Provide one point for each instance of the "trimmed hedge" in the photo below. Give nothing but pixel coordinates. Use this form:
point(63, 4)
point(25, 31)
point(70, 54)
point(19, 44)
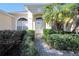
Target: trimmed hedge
point(51, 31)
point(27, 45)
point(65, 42)
point(31, 33)
point(62, 41)
point(8, 40)
point(48, 32)
point(17, 43)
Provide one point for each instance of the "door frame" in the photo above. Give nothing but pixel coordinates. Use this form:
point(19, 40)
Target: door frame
point(41, 31)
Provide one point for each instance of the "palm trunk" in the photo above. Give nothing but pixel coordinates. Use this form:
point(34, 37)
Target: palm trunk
point(57, 25)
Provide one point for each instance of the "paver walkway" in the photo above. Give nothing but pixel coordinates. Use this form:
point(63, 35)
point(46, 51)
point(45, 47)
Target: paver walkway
point(44, 50)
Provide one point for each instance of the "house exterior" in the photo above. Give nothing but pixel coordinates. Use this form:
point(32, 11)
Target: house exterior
point(30, 19)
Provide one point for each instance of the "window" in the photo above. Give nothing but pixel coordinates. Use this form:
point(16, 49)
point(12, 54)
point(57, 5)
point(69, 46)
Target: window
point(22, 24)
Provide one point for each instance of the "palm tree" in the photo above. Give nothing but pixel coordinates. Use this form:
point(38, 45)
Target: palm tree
point(57, 14)
point(68, 14)
point(51, 13)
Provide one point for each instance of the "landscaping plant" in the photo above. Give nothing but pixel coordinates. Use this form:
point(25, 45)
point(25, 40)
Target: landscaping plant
point(27, 46)
point(62, 41)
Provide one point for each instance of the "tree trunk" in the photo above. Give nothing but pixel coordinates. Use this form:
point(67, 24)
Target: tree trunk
point(57, 25)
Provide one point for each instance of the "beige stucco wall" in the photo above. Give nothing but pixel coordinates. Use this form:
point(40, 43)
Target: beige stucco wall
point(9, 21)
point(13, 23)
point(19, 14)
point(5, 22)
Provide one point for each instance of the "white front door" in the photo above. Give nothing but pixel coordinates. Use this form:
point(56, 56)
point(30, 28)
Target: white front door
point(39, 26)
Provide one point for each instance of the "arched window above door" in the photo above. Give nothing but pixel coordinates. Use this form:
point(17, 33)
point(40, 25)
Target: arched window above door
point(22, 19)
point(22, 24)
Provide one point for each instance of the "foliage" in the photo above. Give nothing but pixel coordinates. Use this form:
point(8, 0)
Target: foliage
point(65, 42)
point(27, 45)
point(9, 40)
point(47, 33)
point(15, 43)
point(31, 33)
point(58, 13)
point(62, 40)
point(51, 31)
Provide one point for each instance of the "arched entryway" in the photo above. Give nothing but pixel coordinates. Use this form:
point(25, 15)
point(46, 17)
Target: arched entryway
point(39, 26)
point(22, 24)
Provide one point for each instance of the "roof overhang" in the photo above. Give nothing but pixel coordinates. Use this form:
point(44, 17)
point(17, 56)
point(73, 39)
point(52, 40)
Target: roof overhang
point(36, 7)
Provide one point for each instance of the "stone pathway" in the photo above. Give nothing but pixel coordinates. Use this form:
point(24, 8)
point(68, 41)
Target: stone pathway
point(44, 50)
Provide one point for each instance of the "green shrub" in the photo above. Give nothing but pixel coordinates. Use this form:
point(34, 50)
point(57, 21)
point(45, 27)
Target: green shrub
point(31, 33)
point(27, 45)
point(47, 33)
point(8, 40)
point(64, 41)
point(15, 43)
point(51, 31)
point(61, 39)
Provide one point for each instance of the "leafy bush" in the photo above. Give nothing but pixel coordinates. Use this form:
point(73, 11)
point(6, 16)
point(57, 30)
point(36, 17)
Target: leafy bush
point(15, 43)
point(31, 33)
point(51, 31)
point(64, 41)
point(9, 39)
point(47, 32)
point(27, 45)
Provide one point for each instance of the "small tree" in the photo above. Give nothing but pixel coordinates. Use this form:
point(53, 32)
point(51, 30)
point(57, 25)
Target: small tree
point(57, 13)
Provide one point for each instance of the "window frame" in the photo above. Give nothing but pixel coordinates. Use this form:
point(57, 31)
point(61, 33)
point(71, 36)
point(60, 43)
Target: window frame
point(22, 20)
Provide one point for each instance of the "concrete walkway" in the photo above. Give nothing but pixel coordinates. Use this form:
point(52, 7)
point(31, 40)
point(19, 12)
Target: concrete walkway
point(44, 50)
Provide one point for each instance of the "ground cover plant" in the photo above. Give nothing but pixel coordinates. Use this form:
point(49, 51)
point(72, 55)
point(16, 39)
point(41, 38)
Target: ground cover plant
point(62, 40)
